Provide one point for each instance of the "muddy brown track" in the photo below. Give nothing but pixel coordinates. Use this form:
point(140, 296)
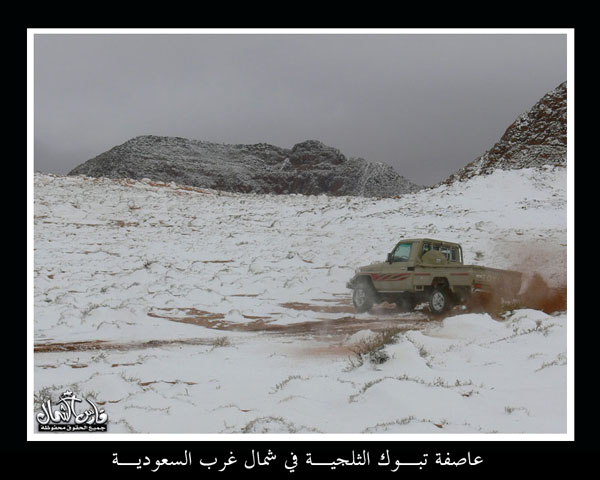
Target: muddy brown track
point(383, 318)
point(105, 345)
point(319, 308)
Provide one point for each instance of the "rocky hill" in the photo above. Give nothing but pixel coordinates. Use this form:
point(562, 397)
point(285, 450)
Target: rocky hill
point(536, 138)
point(308, 168)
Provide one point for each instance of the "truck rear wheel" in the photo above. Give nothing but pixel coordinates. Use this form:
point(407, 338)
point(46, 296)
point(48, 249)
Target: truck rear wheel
point(363, 297)
point(440, 300)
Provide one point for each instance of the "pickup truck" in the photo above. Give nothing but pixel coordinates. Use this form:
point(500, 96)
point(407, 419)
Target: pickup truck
point(426, 270)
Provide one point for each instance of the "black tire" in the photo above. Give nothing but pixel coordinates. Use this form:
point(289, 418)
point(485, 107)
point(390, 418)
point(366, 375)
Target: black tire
point(363, 297)
point(440, 300)
point(405, 303)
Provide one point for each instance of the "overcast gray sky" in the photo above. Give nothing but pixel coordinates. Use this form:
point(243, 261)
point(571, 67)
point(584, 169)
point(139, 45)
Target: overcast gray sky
point(425, 104)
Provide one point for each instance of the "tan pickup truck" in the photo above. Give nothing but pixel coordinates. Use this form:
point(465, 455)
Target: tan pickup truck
point(427, 270)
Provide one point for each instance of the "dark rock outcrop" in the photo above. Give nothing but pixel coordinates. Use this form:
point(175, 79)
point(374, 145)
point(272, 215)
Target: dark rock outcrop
point(536, 138)
point(309, 168)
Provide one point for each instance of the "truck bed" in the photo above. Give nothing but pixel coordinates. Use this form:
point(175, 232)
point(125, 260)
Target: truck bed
point(505, 283)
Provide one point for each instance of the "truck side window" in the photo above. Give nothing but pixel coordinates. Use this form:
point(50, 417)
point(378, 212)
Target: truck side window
point(402, 252)
point(454, 255)
point(446, 252)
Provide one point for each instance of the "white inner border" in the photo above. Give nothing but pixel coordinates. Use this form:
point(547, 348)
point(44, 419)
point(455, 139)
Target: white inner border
point(569, 436)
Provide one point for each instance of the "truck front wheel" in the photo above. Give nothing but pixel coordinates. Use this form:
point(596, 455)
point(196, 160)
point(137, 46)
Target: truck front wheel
point(439, 300)
point(363, 297)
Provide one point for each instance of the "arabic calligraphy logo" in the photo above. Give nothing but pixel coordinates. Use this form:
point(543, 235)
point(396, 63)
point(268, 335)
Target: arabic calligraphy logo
point(64, 415)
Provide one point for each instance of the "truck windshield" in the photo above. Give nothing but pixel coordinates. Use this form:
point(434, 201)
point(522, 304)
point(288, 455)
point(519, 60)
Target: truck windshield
point(402, 252)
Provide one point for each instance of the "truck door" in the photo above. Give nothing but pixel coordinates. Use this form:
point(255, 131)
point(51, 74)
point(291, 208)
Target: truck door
point(395, 276)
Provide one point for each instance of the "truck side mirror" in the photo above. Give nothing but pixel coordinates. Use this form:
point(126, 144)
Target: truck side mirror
point(390, 258)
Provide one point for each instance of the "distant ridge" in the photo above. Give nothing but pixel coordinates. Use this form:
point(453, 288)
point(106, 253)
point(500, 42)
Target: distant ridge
point(309, 168)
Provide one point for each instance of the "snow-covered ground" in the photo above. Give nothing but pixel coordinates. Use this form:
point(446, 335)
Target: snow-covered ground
point(194, 311)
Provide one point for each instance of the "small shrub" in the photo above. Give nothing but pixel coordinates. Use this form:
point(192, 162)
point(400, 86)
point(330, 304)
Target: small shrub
point(509, 307)
point(221, 342)
point(379, 356)
point(374, 348)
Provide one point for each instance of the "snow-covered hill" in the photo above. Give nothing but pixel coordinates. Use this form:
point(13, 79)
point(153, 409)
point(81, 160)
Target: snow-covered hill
point(188, 310)
point(309, 167)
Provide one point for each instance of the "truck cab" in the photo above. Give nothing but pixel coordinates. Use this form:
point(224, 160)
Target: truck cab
point(423, 251)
